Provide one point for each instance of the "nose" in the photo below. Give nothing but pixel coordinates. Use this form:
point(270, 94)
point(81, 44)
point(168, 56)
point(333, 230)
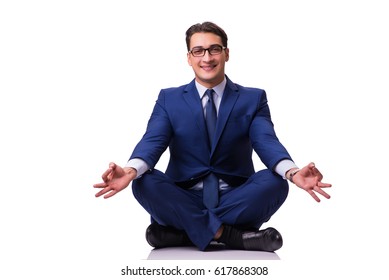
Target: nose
point(207, 56)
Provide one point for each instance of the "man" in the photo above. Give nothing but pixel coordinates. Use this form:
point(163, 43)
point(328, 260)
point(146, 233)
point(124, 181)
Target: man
point(210, 190)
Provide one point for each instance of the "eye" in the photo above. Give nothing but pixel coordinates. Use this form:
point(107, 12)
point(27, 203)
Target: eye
point(215, 49)
point(197, 51)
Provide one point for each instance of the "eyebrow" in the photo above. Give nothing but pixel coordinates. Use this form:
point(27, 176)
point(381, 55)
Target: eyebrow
point(201, 47)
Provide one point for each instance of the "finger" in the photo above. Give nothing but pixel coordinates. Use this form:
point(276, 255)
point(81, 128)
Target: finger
point(315, 197)
point(314, 169)
point(112, 193)
point(103, 191)
point(317, 173)
point(106, 174)
point(100, 185)
point(323, 185)
point(323, 193)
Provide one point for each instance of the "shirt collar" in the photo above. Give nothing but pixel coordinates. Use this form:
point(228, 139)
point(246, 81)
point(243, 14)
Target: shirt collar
point(219, 89)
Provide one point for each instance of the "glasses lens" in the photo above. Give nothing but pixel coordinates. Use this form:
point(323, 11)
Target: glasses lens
point(215, 49)
point(197, 51)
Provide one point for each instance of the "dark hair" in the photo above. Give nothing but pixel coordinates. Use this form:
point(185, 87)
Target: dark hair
point(206, 27)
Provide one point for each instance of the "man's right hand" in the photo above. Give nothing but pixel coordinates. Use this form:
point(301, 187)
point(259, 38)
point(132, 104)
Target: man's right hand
point(115, 179)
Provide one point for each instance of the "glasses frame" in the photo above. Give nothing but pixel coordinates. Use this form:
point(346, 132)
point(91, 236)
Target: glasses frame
point(204, 50)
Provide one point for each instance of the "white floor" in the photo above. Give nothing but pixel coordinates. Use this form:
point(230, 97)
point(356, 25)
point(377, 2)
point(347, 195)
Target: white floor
point(213, 252)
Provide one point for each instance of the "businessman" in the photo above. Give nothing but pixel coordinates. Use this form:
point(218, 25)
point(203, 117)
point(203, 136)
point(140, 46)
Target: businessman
point(210, 190)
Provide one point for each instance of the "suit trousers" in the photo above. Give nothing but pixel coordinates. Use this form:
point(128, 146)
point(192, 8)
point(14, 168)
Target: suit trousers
point(247, 206)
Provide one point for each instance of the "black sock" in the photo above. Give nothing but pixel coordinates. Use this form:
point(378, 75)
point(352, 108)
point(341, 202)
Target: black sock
point(232, 237)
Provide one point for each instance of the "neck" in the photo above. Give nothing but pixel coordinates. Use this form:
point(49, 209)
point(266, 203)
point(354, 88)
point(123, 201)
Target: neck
point(210, 84)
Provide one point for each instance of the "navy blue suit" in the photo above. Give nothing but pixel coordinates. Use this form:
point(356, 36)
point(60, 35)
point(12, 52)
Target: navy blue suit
point(243, 125)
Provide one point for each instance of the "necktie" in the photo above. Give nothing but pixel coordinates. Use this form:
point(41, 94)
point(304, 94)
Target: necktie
point(211, 182)
point(210, 115)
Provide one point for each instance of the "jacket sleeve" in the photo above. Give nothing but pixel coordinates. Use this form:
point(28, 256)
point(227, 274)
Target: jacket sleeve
point(263, 136)
point(157, 136)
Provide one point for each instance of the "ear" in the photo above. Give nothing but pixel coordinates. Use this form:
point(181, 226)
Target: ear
point(189, 59)
point(227, 53)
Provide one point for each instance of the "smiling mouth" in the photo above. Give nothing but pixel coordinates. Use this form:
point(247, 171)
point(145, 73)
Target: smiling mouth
point(208, 67)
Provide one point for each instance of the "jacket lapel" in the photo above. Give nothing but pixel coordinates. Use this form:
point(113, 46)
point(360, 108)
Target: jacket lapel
point(230, 96)
point(191, 97)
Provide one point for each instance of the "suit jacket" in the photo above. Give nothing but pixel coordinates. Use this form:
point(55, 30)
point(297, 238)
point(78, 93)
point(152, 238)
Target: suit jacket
point(244, 124)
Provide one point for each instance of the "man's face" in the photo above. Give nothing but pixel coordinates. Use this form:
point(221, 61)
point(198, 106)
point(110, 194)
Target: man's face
point(209, 69)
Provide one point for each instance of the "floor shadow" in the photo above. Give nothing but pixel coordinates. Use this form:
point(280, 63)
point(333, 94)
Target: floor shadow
point(213, 252)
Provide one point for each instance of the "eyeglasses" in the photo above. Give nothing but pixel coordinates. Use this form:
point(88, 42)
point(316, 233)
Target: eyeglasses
point(212, 50)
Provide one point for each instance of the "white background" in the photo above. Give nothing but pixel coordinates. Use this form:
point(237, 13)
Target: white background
point(78, 80)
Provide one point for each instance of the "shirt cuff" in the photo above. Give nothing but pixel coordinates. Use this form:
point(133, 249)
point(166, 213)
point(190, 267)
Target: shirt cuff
point(283, 166)
point(139, 164)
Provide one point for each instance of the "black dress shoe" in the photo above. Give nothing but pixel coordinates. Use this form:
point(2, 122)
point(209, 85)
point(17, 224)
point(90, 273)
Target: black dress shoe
point(161, 236)
point(268, 240)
